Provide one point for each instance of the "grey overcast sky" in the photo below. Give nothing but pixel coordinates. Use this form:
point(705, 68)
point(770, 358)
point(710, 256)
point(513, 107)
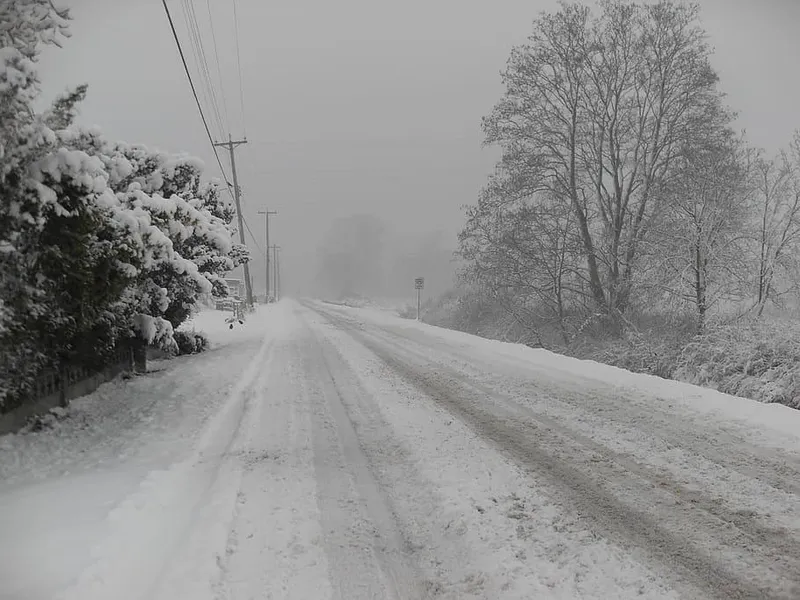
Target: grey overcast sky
point(365, 106)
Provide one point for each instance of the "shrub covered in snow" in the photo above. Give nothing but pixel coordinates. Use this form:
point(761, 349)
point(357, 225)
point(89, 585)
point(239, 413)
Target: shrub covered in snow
point(45, 421)
point(759, 360)
point(99, 241)
point(408, 312)
point(191, 213)
point(190, 342)
point(471, 310)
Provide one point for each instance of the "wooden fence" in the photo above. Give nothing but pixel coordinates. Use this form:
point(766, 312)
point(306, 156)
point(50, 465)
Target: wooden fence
point(57, 387)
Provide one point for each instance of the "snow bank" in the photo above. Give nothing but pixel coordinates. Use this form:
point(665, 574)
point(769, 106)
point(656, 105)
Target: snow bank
point(393, 305)
point(703, 401)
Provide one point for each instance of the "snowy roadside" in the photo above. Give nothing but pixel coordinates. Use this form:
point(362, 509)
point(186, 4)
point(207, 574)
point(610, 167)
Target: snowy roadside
point(126, 416)
point(389, 305)
point(117, 447)
point(772, 425)
point(213, 324)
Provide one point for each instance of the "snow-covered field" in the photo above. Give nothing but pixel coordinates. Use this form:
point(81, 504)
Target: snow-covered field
point(324, 452)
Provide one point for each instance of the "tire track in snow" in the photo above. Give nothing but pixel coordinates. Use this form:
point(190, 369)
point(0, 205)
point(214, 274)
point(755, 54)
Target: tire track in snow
point(199, 567)
point(365, 548)
point(536, 445)
point(531, 448)
point(150, 531)
point(740, 471)
point(621, 416)
point(774, 467)
point(773, 540)
point(479, 525)
point(274, 548)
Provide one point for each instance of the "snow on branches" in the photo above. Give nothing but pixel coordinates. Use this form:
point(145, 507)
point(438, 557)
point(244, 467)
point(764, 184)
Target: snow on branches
point(28, 24)
point(99, 241)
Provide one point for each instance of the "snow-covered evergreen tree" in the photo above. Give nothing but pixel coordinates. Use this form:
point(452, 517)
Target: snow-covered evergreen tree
point(99, 241)
point(24, 140)
point(192, 214)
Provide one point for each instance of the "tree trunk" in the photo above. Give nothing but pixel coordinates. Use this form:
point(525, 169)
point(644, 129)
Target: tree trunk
point(700, 290)
point(139, 348)
point(595, 283)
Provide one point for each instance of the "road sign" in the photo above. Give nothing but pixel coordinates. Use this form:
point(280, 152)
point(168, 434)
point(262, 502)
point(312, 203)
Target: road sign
point(419, 285)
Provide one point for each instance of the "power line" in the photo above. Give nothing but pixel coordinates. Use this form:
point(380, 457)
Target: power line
point(194, 93)
point(202, 114)
point(202, 64)
point(239, 66)
point(206, 68)
point(202, 61)
point(216, 55)
point(206, 92)
point(255, 241)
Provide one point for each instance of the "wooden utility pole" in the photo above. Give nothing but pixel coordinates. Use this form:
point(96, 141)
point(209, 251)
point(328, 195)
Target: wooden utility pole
point(266, 214)
point(278, 287)
point(275, 271)
point(230, 145)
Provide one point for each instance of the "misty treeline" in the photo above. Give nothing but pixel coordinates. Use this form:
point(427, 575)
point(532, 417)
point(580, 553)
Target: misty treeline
point(365, 256)
point(624, 188)
point(101, 242)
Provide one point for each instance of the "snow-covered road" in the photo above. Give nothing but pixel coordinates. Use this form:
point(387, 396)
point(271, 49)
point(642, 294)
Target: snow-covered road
point(326, 452)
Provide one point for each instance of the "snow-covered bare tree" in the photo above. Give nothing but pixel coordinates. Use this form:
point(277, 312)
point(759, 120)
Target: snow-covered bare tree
point(596, 111)
point(776, 219)
point(704, 231)
point(524, 250)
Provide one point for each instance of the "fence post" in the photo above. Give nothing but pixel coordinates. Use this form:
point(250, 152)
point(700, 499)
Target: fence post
point(139, 355)
point(127, 355)
point(62, 385)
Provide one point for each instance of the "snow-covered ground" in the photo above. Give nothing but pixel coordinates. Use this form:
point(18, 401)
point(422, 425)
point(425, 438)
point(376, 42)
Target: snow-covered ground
point(62, 489)
point(330, 452)
point(391, 305)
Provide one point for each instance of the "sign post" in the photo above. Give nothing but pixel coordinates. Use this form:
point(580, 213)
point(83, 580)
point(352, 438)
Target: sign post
point(419, 285)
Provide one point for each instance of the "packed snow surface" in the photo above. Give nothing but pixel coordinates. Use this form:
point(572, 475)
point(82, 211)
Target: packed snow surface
point(320, 451)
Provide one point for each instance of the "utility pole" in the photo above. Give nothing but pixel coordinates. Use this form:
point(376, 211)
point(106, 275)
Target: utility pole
point(419, 285)
point(275, 270)
point(230, 145)
point(266, 214)
point(278, 287)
